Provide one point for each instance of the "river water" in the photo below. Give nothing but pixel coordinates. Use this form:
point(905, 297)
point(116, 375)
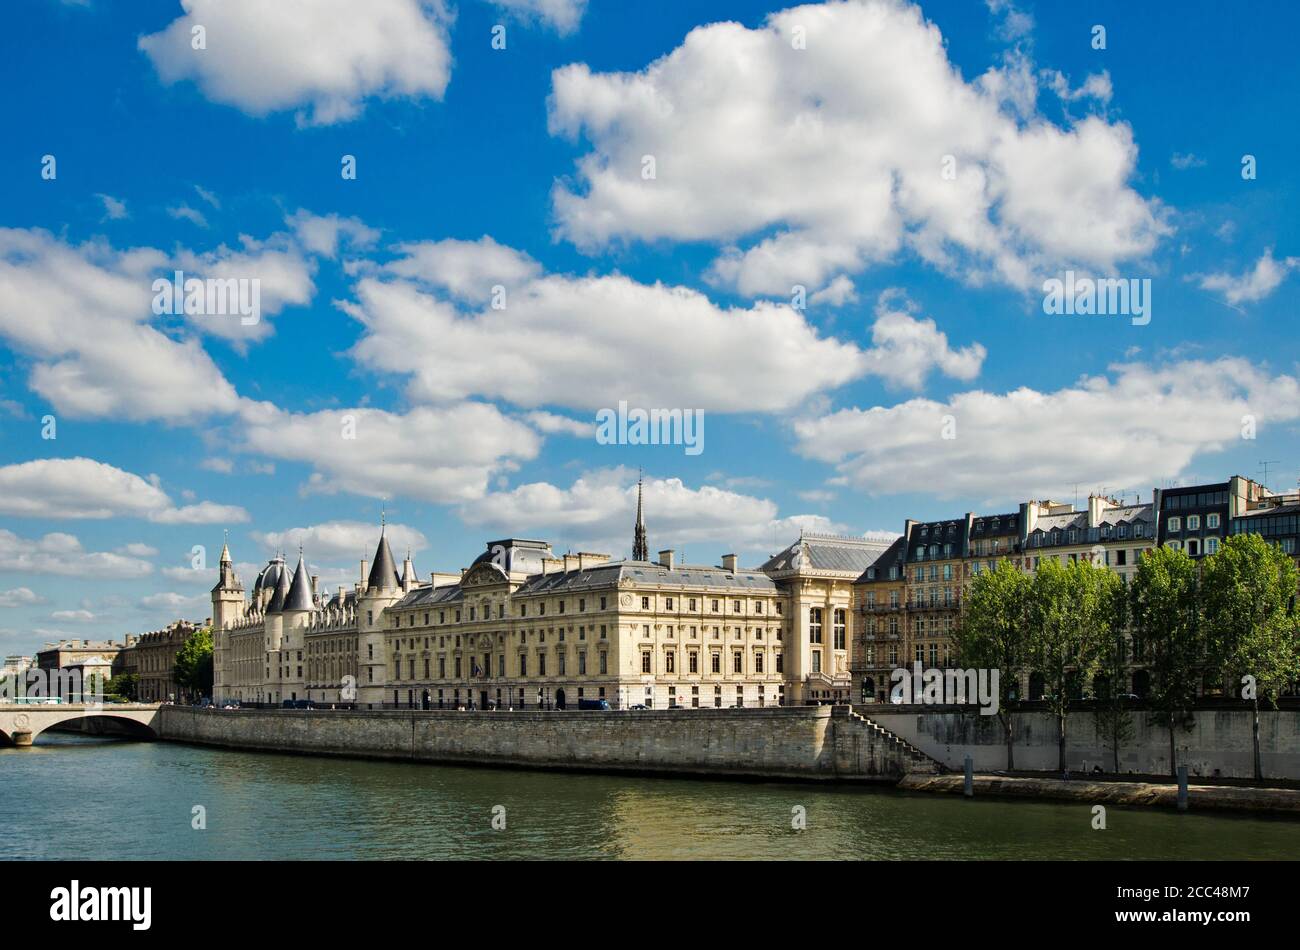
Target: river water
point(83, 798)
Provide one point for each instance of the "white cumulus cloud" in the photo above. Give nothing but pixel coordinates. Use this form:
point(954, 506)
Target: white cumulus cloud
point(1128, 429)
point(322, 58)
point(86, 488)
point(62, 554)
point(433, 454)
point(1255, 284)
point(591, 342)
point(807, 163)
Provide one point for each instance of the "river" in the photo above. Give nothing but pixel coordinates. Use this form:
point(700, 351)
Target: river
point(85, 798)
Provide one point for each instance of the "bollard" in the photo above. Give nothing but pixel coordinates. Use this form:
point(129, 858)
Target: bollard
point(1182, 788)
point(969, 790)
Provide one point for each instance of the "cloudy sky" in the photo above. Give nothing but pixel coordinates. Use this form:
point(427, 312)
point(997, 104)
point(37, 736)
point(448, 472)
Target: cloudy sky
point(825, 227)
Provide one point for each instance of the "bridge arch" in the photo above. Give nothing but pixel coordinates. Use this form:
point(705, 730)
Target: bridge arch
point(23, 725)
point(104, 724)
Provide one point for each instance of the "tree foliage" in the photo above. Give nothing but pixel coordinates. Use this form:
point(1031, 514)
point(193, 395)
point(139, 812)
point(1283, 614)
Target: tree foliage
point(1248, 604)
point(1166, 621)
point(1070, 616)
point(992, 635)
point(193, 668)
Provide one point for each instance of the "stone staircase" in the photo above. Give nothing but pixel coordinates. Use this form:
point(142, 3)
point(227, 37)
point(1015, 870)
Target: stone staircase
point(911, 759)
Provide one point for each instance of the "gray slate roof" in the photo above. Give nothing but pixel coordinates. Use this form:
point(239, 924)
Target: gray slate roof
point(608, 576)
point(827, 553)
point(644, 572)
point(895, 554)
point(281, 592)
point(300, 594)
point(430, 596)
point(383, 573)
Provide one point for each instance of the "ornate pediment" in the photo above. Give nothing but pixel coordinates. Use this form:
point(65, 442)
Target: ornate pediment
point(484, 575)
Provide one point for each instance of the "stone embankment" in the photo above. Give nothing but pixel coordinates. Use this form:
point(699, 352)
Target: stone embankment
point(789, 742)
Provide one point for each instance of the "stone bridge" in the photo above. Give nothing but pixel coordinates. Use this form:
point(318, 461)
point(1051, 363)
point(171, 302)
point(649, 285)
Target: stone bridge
point(20, 724)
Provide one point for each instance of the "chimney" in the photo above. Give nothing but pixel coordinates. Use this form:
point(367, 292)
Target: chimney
point(570, 562)
point(729, 563)
point(362, 585)
point(666, 559)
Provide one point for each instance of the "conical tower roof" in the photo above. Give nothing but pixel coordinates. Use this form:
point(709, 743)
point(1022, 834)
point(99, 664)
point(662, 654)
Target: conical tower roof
point(281, 591)
point(299, 596)
point(383, 571)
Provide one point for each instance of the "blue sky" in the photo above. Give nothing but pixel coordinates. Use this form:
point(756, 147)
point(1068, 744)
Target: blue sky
point(776, 164)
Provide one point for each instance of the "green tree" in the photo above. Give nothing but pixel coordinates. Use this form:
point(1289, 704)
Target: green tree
point(1114, 721)
point(991, 635)
point(124, 685)
point(1165, 609)
point(193, 667)
point(1070, 617)
point(1248, 603)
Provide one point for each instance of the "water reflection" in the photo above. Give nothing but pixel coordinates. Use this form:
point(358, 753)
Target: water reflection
point(75, 797)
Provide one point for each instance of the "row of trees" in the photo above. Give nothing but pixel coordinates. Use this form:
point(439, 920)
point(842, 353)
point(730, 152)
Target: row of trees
point(1228, 621)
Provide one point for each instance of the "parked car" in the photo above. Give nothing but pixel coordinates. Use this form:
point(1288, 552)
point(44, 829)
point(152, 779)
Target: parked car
point(638, 706)
point(593, 704)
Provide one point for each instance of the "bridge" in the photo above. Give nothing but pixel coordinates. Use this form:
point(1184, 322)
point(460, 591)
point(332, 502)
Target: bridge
point(20, 724)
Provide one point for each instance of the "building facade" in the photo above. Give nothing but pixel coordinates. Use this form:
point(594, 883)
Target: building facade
point(153, 660)
point(909, 602)
point(523, 627)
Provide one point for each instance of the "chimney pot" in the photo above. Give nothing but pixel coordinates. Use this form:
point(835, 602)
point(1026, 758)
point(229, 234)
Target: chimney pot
point(666, 558)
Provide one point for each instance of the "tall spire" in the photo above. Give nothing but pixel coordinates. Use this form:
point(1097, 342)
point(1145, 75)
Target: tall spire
point(640, 549)
point(383, 571)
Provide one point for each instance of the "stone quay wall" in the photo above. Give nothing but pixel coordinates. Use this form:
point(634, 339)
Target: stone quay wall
point(801, 742)
point(1219, 741)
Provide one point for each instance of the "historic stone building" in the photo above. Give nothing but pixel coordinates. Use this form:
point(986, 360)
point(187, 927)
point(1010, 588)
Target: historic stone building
point(522, 626)
point(154, 661)
point(880, 605)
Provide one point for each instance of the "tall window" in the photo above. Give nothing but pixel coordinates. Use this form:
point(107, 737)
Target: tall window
point(814, 625)
point(645, 661)
point(839, 630)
